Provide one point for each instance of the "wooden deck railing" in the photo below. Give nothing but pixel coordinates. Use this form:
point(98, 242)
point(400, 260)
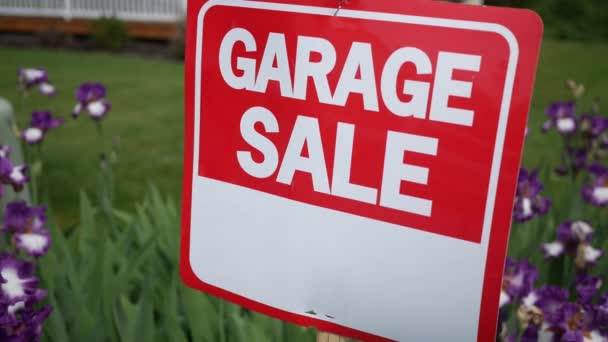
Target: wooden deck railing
point(128, 10)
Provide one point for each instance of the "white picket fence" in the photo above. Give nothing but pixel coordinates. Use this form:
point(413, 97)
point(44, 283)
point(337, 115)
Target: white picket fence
point(132, 10)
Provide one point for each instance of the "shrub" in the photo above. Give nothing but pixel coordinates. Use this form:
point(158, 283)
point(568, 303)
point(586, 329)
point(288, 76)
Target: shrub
point(52, 38)
point(115, 278)
point(109, 33)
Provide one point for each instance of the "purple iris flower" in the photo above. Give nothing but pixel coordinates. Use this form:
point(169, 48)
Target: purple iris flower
point(572, 323)
point(14, 312)
point(504, 299)
point(588, 256)
point(90, 91)
point(586, 288)
point(45, 120)
point(20, 218)
point(530, 334)
point(573, 238)
point(5, 151)
point(28, 78)
point(601, 312)
point(32, 135)
point(561, 116)
point(18, 177)
point(17, 217)
point(28, 225)
point(528, 201)
point(531, 318)
point(597, 192)
point(28, 328)
point(91, 97)
point(577, 323)
point(551, 299)
point(39, 218)
point(47, 89)
point(593, 125)
point(33, 321)
point(519, 278)
point(17, 280)
point(40, 124)
point(34, 239)
point(574, 233)
point(579, 158)
point(6, 167)
point(34, 243)
point(9, 174)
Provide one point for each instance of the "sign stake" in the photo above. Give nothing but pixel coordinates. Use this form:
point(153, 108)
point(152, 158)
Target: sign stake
point(327, 337)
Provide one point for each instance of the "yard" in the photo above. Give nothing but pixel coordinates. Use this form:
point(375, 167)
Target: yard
point(129, 256)
point(147, 97)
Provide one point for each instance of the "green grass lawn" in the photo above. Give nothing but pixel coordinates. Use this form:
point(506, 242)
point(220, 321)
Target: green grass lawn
point(147, 115)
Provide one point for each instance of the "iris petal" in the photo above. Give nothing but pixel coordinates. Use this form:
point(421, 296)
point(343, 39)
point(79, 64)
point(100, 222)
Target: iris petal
point(33, 135)
point(35, 244)
point(553, 249)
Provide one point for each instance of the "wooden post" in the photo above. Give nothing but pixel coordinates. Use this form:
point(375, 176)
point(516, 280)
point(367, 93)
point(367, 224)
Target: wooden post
point(327, 337)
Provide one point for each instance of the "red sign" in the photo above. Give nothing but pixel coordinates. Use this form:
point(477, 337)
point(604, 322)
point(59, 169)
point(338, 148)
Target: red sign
point(389, 131)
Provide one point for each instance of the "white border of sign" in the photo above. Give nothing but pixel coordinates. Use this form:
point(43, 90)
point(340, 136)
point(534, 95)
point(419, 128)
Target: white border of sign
point(202, 267)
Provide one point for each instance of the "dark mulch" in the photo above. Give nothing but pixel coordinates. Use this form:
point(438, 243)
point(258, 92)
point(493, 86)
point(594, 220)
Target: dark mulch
point(54, 40)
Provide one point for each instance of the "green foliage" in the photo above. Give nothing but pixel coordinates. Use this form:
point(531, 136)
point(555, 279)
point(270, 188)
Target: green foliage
point(116, 278)
point(582, 19)
point(525, 239)
point(109, 33)
point(567, 19)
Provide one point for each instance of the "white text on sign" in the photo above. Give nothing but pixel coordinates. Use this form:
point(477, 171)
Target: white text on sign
point(358, 76)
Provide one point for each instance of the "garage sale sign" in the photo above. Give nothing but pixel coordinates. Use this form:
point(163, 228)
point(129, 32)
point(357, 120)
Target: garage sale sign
point(354, 169)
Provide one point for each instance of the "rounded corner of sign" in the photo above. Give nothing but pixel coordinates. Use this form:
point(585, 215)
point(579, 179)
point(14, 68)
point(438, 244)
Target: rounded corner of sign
point(195, 272)
point(509, 37)
point(187, 273)
point(534, 20)
point(206, 7)
point(533, 17)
